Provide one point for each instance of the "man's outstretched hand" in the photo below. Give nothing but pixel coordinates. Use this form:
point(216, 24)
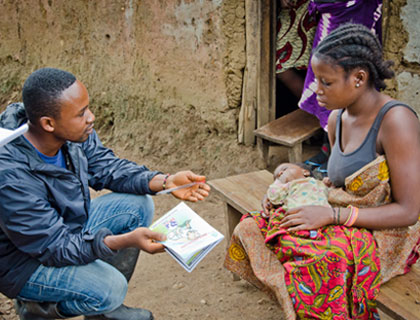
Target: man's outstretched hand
point(194, 193)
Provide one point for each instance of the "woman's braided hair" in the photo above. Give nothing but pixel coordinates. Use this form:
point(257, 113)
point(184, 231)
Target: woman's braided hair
point(354, 45)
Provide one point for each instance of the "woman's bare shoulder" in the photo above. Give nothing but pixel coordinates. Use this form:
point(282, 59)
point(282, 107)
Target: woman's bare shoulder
point(401, 117)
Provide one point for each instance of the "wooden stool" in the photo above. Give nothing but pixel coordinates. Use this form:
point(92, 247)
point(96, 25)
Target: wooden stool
point(290, 131)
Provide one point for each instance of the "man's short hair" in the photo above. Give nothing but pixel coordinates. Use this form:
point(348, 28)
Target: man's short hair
point(42, 90)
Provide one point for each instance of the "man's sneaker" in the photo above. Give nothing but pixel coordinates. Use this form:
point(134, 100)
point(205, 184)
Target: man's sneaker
point(124, 313)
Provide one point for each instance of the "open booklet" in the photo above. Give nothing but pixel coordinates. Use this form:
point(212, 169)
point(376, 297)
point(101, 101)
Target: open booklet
point(7, 135)
point(189, 237)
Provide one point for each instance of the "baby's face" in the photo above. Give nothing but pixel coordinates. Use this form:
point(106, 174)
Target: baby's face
point(288, 171)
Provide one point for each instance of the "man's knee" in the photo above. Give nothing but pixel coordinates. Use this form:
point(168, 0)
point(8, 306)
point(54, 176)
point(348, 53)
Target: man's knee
point(144, 206)
point(138, 209)
point(112, 293)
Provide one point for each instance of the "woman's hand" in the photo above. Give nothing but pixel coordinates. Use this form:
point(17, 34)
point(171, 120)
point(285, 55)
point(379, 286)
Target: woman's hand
point(194, 193)
point(307, 218)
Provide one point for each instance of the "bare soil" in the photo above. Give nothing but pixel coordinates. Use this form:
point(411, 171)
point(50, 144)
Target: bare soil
point(208, 292)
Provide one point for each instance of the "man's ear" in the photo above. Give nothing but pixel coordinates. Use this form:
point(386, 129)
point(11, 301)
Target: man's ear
point(47, 123)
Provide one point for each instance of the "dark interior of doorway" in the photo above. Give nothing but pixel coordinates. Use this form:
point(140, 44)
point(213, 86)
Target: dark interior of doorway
point(286, 101)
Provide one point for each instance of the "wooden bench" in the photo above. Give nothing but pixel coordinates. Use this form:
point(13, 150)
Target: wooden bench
point(242, 193)
point(398, 299)
point(290, 131)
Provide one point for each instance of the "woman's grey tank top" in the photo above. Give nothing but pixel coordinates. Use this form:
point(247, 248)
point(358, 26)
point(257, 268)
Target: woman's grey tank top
point(341, 165)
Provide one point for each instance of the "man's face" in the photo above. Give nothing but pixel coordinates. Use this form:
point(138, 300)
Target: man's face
point(76, 120)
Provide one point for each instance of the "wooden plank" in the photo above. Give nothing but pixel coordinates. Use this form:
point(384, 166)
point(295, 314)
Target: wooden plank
point(266, 109)
point(233, 217)
point(384, 316)
point(247, 114)
point(290, 129)
point(263, 148)
point(273, 55)
point(295, 153)
point(243, 192)
point(400, 297)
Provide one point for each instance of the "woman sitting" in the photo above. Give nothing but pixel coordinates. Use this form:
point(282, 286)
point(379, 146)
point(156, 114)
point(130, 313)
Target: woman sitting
point(329, 262)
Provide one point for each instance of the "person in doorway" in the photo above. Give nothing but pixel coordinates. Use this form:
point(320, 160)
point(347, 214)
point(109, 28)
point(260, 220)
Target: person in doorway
point(61, 253)
point(295, 34)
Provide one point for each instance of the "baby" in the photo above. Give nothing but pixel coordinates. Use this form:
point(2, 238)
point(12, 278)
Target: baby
point(294, 186)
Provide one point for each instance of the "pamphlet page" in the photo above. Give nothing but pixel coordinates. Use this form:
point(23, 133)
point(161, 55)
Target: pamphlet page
point(189, 237)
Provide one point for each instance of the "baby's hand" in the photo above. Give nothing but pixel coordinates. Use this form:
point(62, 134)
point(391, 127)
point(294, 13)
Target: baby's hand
point(266, 207)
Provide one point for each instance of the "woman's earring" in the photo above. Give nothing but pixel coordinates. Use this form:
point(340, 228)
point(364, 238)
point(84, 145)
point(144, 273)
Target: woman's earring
point(357, 85)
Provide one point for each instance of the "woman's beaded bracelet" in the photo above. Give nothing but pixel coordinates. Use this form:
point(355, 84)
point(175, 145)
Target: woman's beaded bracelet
point(352, 217)
point(338, 215)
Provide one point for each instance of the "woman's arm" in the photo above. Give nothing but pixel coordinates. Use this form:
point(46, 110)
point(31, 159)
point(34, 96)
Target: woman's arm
point(399, 139)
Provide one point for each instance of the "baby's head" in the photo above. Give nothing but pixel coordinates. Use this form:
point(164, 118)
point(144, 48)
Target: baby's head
point(291, 171)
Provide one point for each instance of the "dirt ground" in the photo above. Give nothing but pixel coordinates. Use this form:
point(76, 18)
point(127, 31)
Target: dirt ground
point(208, 292)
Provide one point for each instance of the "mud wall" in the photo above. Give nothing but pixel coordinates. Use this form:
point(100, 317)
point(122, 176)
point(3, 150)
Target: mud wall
point(164, 77)
point(402, 45)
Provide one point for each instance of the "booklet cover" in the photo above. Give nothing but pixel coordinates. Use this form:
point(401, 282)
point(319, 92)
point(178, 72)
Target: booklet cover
point(7, 135)
point(189, 237)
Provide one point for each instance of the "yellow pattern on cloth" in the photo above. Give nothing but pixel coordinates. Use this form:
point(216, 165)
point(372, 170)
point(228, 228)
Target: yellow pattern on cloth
point(369, 187)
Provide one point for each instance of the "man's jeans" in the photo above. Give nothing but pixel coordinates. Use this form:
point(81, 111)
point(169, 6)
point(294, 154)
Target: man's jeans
point(97, 287)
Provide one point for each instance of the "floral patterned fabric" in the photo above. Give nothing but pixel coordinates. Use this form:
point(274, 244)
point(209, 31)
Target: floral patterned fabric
point(333, 272)
point(298, 192)
point(295, 33)
point(367, 187)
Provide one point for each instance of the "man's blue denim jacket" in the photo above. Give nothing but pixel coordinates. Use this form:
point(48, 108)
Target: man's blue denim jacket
point(43, 208)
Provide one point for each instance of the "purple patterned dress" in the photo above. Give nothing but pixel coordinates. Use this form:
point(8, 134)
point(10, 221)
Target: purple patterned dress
point(333, 13)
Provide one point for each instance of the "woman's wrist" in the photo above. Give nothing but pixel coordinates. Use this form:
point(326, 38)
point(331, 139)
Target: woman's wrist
point(333, 216)
point(352, 216)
